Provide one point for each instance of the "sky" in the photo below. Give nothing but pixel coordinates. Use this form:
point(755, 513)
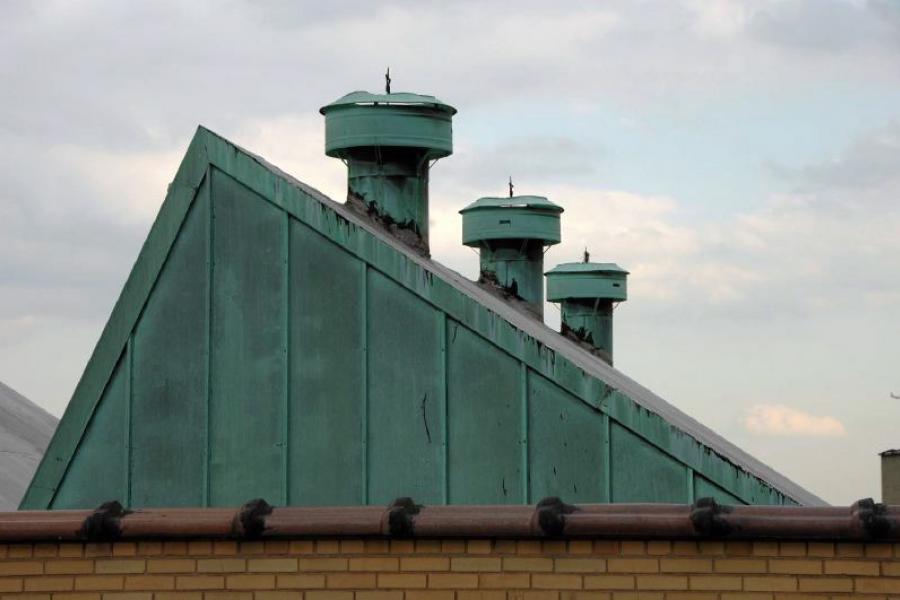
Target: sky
point(740, 158)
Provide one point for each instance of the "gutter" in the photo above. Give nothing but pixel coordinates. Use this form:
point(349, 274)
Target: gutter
point(551, 518)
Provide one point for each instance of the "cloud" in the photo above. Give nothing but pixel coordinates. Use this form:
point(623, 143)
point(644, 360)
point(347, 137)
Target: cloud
point(531, 161)
point(719, 18)
point(825, 245)
point(870, 162)
point(830, 26)
point(175, 64)
point(778, 419)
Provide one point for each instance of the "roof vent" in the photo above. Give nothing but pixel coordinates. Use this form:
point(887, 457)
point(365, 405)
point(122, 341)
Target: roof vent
point(389, 142)
point(511, 234)
point(588, 292)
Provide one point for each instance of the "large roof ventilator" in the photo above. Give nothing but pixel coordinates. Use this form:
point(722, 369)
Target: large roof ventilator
point(389, 143)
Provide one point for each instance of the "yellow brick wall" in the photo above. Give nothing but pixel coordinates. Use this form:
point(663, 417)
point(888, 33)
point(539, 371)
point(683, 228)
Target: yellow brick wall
point(447, 570)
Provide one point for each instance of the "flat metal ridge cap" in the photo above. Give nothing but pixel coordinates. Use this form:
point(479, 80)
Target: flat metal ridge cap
point(592, 365)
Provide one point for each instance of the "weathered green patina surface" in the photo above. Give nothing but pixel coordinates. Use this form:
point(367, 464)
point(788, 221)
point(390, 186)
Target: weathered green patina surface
point(587, 293)
point(511, 234)
point(271, 343)
point(389, 142)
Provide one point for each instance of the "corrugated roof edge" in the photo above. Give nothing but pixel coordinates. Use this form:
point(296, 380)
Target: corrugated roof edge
point(562, 345)
point(864, 521)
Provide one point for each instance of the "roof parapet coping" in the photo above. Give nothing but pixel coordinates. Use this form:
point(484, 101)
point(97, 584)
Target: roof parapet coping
point(551, 518)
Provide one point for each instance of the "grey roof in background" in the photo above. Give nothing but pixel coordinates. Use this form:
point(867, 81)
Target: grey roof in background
point(25, 431)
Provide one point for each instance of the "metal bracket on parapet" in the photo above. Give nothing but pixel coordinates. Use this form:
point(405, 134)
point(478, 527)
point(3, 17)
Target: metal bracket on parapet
point(401, 513)
point(250, 521)
point(873, 516)
point(104, 523)
point(551, 515)
point(706, 517)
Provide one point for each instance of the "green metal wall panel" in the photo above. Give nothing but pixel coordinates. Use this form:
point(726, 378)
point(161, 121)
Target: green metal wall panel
point(703, 488)
point(485, 406)
point(169, 380)
point(565, 444)
point(327, 362)
point(641, 473)
point(118, 329)
point(405, 395)
point(97, 473)
point(248, 346)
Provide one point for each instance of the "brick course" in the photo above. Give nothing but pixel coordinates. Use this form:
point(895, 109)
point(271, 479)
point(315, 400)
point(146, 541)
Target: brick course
point(448, 570)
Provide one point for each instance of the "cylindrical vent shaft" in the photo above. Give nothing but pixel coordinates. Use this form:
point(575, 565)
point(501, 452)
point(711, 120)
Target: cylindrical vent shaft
point(511, 234)
point(591, 321)
point(388, 142)
point(587, 293)
point(517, 266)
point(392, 184)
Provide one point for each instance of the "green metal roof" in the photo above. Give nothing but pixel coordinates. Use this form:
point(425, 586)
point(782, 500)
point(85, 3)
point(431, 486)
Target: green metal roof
point(511, 218)
point(361, 121)
point(491, 202)
point(362, 98)
point(587, 280)
point(270, 342)
point(587, 267)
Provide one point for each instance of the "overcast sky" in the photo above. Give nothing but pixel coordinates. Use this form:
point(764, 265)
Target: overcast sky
point(741, 159)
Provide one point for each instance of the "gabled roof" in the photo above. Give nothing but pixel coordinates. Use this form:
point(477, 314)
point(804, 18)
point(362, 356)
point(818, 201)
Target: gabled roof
point(515, 331)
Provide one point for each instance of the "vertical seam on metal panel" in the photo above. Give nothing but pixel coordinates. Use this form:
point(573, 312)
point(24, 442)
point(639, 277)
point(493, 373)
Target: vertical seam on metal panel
point(690, 485)
point(525, 433)
point(607, 459)
point(129, 346)
point(364, 334)
point(210, 261)
point(445, 417)
point(286, 352)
